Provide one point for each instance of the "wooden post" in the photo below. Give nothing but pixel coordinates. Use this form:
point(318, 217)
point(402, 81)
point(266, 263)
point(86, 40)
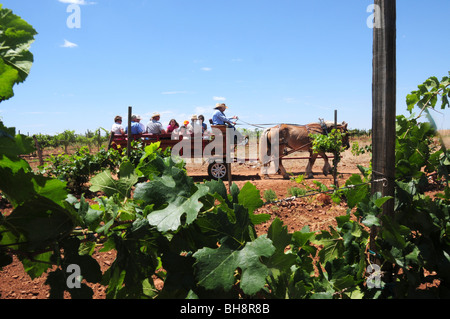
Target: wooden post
point(384, 106)
point(111, 137)
point(130, 110)
point(39, 150)
point(99, 140)
point(230, 181)
point(335, 159)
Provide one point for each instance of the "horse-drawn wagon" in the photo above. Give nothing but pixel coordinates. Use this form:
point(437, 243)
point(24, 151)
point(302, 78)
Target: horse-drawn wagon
point(220, 147)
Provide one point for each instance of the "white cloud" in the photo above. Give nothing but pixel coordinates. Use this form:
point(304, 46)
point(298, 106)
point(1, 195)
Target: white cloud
point(68, 44)
point(219, 98)
point(78, 2)
point(206, 69)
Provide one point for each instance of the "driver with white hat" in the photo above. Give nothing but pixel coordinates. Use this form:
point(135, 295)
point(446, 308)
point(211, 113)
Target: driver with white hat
point(219, 117)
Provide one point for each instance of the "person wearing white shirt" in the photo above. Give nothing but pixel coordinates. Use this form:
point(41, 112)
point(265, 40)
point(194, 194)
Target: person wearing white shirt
point(117, 127)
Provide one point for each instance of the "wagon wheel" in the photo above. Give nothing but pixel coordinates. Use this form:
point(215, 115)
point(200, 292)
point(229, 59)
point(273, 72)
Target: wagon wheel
point(217, 170)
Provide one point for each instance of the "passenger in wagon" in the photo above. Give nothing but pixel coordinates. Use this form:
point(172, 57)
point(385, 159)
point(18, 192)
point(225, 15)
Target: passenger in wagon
point(195, 126)
point(181, 131)
point(190, 125)
point(201, 118)
point(141, 125)
point(117, 127)
point(135, 127)
point(155, 126)
point(173, 124)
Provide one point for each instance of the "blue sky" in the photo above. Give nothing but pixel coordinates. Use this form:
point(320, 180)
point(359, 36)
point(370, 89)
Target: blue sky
point(285, 61)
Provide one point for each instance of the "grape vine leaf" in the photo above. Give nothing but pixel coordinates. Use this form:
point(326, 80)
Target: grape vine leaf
point(12, 144)
point(38, 222)
point(216, 267)
point(166, 186)
point(353, 194)
point(38, 265)
point(333, 245)
point(85, 214)
point(16, 37)
point(218, 190)
point(173, 194)
point(169, 218)
point(250, 197)
point(231, 229)
point(17, 181)
point(105, 182)
point(151, 163)
point(280, 261)
point(19, 184)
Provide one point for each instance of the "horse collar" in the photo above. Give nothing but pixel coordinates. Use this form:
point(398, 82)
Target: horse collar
point(324, 128)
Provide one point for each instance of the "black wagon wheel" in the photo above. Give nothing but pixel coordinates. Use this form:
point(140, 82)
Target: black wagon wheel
point(217, 170)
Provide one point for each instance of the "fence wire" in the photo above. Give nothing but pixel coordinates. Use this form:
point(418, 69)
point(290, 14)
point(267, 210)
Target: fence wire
point(316, 192)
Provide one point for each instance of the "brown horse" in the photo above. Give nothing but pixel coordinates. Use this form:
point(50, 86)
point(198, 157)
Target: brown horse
point(291, 138)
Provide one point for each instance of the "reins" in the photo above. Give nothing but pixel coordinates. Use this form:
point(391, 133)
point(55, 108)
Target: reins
point(268, 124)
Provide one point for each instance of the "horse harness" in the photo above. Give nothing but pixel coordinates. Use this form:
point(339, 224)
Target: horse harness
point(283, 142)
point(324, 127)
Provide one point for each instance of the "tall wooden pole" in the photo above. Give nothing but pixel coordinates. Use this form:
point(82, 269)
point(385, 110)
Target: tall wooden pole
point(384, 104)
point(335, 159)
point(130, 111)
point(39, 150)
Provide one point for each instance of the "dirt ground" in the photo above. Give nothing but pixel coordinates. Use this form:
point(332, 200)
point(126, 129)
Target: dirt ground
point(318, 212)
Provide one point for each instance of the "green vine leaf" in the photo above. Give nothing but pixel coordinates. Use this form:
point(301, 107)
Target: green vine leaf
point(216, 267)
point(250, 197)
point(230, 227)
point(166, 188)
point(169, 218)
point(333, 245)
point(280, 262)
point(106, 183)
point(39, 222)
point(16, 37)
